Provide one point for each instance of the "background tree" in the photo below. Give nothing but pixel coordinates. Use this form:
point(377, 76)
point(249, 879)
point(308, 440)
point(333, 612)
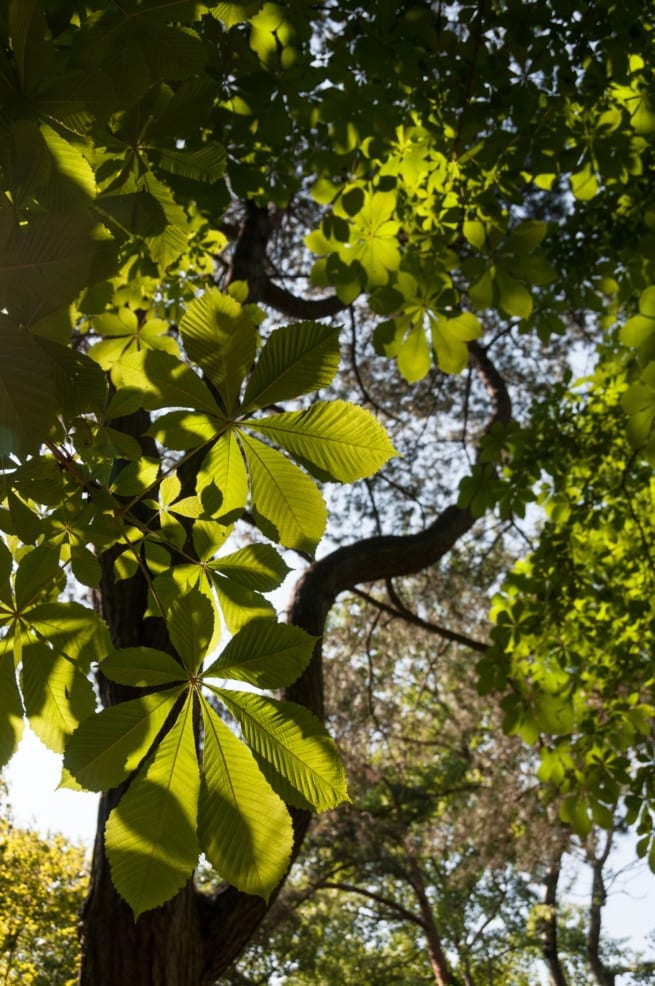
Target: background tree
point(42, 886)
point(450, 866)
point(455, 172)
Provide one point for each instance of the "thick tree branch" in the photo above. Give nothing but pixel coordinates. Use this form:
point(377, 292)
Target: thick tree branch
point(249, 264)
point(304, 308)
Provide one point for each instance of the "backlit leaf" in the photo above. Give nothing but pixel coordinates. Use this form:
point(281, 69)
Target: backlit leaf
point(56, 696)
point(222, 481)
point(256, 566)
point(264, 653)
point(293, 749)
point(244, 827)
point(287, 505)
point(219, 335)
point(294, 361)
point(190, 622)
point(152, 379)
point(11, 708)
point(142, 667)
point(150, 837)
point(341, 440)
point(449, 339)
point(106, 748)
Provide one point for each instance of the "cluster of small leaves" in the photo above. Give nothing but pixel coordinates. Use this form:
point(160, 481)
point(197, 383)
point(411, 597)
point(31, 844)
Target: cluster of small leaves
point(102, 153)
point(431, 220)
point(573, 644)
point(42, 885)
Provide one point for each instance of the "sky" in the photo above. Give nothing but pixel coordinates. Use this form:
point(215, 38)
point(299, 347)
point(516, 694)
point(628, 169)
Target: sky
point(33, 776)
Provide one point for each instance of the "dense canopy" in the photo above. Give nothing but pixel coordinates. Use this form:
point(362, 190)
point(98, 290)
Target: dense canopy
point(200, 203)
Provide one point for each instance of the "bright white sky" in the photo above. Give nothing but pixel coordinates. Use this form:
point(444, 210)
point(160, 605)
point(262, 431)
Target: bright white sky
point(33, 776)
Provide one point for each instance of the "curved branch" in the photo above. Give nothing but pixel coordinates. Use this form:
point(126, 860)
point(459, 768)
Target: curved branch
point(383, 557)
point(249, 264)
point(390, 905)
point(306, 308)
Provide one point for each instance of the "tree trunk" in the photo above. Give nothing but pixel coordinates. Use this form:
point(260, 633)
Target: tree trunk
point(549, 945)
point(603, 974)
point(438, 960)
point(163, 948)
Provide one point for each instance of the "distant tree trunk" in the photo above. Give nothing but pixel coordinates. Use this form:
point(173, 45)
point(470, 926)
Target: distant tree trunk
point(549, 946)
point(603, 975)
point(438, 960)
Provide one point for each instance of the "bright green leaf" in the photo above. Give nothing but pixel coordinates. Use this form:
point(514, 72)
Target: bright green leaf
point(450, 337)
point(256, 566)
point(150, 837)
point(222, 481)
point(413, 354)
point(142, 667)
point(286, 503)
point(239, 605)
point(106, 748)
point(295, 360)
point(190, 622)
point(293, 749)
point(219, 335)
point(339, 440)
point(264, 653)
point(57, 697)
point(11, 708)
point(513, 297)
point(244, 827)
point(152, 379)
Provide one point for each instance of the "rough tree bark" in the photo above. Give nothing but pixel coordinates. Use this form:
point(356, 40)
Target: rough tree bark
point(194, 938)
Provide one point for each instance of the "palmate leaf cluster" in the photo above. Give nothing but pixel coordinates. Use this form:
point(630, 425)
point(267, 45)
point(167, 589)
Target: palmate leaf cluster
point(213, 794)
point(192, 791)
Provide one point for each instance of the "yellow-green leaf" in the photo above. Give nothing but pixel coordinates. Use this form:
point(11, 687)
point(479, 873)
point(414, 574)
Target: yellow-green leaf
point(150, 837)
point(244, 827)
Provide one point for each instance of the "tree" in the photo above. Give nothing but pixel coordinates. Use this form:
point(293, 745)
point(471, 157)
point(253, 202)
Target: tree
point(475, 185)
point(42, 886)
point(449, 866)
